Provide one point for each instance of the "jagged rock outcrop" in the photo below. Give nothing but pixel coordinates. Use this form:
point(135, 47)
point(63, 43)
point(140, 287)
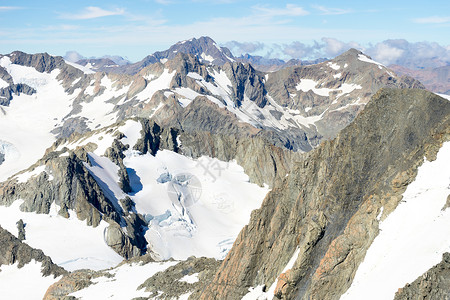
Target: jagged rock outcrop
point(204, 48)
point(169, 284)
point(246, 82)
point(262, 161)
point(70, 283)
point(12, 251)
point(433, 285)
point(328, 205)
point(42, 62)
point(72, 187)
point(6, 94)
point(337, 89)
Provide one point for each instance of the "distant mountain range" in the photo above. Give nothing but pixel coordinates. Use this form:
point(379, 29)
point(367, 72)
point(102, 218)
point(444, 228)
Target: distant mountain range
point(434, 79)
point(433, 73)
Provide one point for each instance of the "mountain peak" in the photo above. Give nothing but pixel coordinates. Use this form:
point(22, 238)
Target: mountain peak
point(205, 48)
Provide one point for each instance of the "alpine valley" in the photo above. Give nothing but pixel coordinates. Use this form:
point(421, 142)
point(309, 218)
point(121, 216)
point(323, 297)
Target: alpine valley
point(194, 174)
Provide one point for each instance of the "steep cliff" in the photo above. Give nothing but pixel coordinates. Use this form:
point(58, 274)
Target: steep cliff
point(323, 216)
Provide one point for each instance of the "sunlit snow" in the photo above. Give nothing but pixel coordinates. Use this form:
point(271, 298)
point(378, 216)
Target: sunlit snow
point(28, 120)
point(71, 243)
point(209, 224)
point(412, 239)
point(124, 283)
point(33, 284)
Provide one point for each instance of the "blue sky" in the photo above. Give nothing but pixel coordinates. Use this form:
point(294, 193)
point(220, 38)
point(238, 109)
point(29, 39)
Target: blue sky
point(135, 29)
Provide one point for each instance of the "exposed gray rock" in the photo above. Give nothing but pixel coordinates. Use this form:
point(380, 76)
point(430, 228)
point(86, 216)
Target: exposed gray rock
point(74, 188)
point(246, 81)
point(168, 281)
point(70, 126)
point(42, 62)
point(433, 285)
point(195, 47)
point(12, 251)
point(20, 230)
point(71, 283)
point(328, 205)
point(6, 94)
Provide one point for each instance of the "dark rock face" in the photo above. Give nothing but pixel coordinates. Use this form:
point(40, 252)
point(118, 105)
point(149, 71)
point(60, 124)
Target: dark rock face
point(42, 62)
point(6, 94)
point(434, 284)
point(21, 230)
point(12, 251)
point(247, 81)
point(74, 188)
point(327, 206)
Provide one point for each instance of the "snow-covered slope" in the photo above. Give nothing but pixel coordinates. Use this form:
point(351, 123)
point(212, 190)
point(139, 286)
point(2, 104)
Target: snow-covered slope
point(412, 239)
point(192, 206)
point(34, 284)
point(67, 100)
point(201, 204)
point(122, 282)
point(26, 124)
point(69, 242)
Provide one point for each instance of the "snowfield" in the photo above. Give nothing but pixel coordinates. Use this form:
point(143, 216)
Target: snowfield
point(26, 123)
point(34, 284)
point(406, 248)
point(204, 217)
point(70, 243)
point(192, 206)
point(124, 283)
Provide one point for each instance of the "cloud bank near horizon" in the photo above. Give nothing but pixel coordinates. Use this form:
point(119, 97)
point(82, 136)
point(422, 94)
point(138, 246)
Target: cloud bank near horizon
point(392, 51)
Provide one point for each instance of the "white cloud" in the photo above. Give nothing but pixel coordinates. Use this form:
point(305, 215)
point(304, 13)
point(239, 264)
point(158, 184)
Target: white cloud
point(291, 10)
point(92, 12)
point(8, 8)
point(164, 2)
point(242, 48)
point(335, 47)
point(432, 20)
point(386, 53)
point(332, 11)
point(73, 56)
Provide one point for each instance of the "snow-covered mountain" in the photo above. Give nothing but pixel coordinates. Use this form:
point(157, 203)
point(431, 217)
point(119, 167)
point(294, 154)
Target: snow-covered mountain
point(275, 64)
point(171, 161)
point(44, 98)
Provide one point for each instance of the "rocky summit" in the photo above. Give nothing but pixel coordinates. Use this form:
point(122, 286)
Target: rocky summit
point(200, 175)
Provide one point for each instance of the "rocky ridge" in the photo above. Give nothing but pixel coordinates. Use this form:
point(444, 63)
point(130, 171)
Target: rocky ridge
point(236, 112)
point(274, 64)
point(294, 108)
point(435, 79)
point(434, 284)
point(327, 207)
point(204, 48)
point(13, 250)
